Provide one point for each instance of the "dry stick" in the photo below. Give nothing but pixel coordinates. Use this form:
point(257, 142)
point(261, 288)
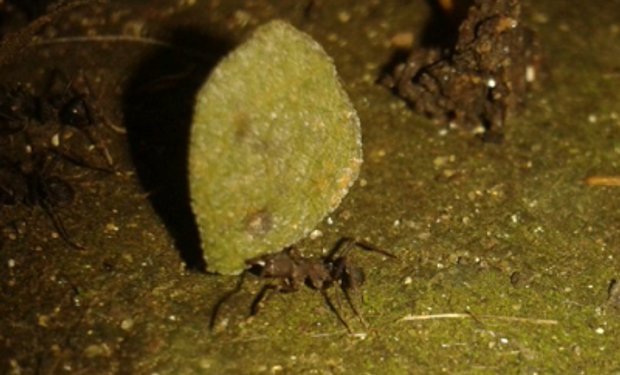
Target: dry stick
point(123, 39)
point(15, 43)
point(409, 318)
point(602, 180)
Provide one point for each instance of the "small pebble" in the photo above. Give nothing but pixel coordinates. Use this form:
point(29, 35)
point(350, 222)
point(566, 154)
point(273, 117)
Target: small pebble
point(127, 324)
point(315, 234)
point(344, 16)
point(403, 41)
point(110, 227)
point(55, 140)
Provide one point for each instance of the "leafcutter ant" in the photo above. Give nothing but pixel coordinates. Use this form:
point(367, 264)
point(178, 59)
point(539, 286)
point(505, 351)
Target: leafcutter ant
point(289, 271)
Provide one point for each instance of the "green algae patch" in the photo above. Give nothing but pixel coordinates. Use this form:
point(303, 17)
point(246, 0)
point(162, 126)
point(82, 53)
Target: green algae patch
point(275, 146)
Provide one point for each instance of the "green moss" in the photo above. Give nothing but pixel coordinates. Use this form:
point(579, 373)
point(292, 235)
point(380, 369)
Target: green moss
point(507, 230)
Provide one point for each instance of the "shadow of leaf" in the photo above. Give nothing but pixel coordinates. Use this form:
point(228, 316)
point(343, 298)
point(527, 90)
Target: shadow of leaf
point(158, 107)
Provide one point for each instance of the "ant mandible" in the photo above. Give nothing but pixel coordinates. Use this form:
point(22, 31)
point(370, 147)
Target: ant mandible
point(291, 271)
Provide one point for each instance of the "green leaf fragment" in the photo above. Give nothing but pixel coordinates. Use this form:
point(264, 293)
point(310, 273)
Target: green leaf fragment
point(275, 146)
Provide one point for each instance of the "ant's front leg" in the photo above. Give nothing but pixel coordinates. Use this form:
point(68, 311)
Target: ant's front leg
point(343, 247)
point(49, 207)
point(346, 244)
point(224, 299)
point(348, 277)
point(372, 248)
point(335, 310)
point(351, 280)
point(260, 296)
point(284, 287)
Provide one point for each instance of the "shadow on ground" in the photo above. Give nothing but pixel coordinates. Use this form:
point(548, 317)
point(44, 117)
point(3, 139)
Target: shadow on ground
point(158, 110)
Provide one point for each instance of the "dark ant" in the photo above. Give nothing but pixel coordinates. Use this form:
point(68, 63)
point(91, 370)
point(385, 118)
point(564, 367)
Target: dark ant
point(71, 108)
point(291, 271)
point(62, 120)
point(34, 187)
point(36, 131)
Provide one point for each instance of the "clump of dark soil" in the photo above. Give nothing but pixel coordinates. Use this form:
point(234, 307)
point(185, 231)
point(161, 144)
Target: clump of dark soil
point(479, 83)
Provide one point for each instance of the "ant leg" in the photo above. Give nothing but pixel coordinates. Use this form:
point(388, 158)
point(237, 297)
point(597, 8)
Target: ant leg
point(69, 82)
point(333, 308)
point(62, 231)
point(60, 227)
point(93, 117)
point(343, 246)
point(49, 164)
point(359, 316)
point(224, 299)
point(71, 157)
point(284, 287)
point(347, 280)
point(43, 192)
point(260, 296)
point(346, 244)
point(369, 247)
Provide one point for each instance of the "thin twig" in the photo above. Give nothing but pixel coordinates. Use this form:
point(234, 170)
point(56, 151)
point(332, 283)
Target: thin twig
point(15, 43)
point(123, 39)
point(357, 335)
point(602, 180)
point(409, 318)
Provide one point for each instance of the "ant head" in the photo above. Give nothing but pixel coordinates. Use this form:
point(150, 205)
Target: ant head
point(274, 266)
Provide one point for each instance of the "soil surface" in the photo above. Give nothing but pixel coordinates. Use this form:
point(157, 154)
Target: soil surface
point(507, 252)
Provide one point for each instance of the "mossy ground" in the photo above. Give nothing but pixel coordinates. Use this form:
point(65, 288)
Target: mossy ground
point(492, 229)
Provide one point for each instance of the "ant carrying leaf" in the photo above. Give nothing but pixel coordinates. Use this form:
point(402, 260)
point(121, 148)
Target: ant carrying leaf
point(290, 271)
